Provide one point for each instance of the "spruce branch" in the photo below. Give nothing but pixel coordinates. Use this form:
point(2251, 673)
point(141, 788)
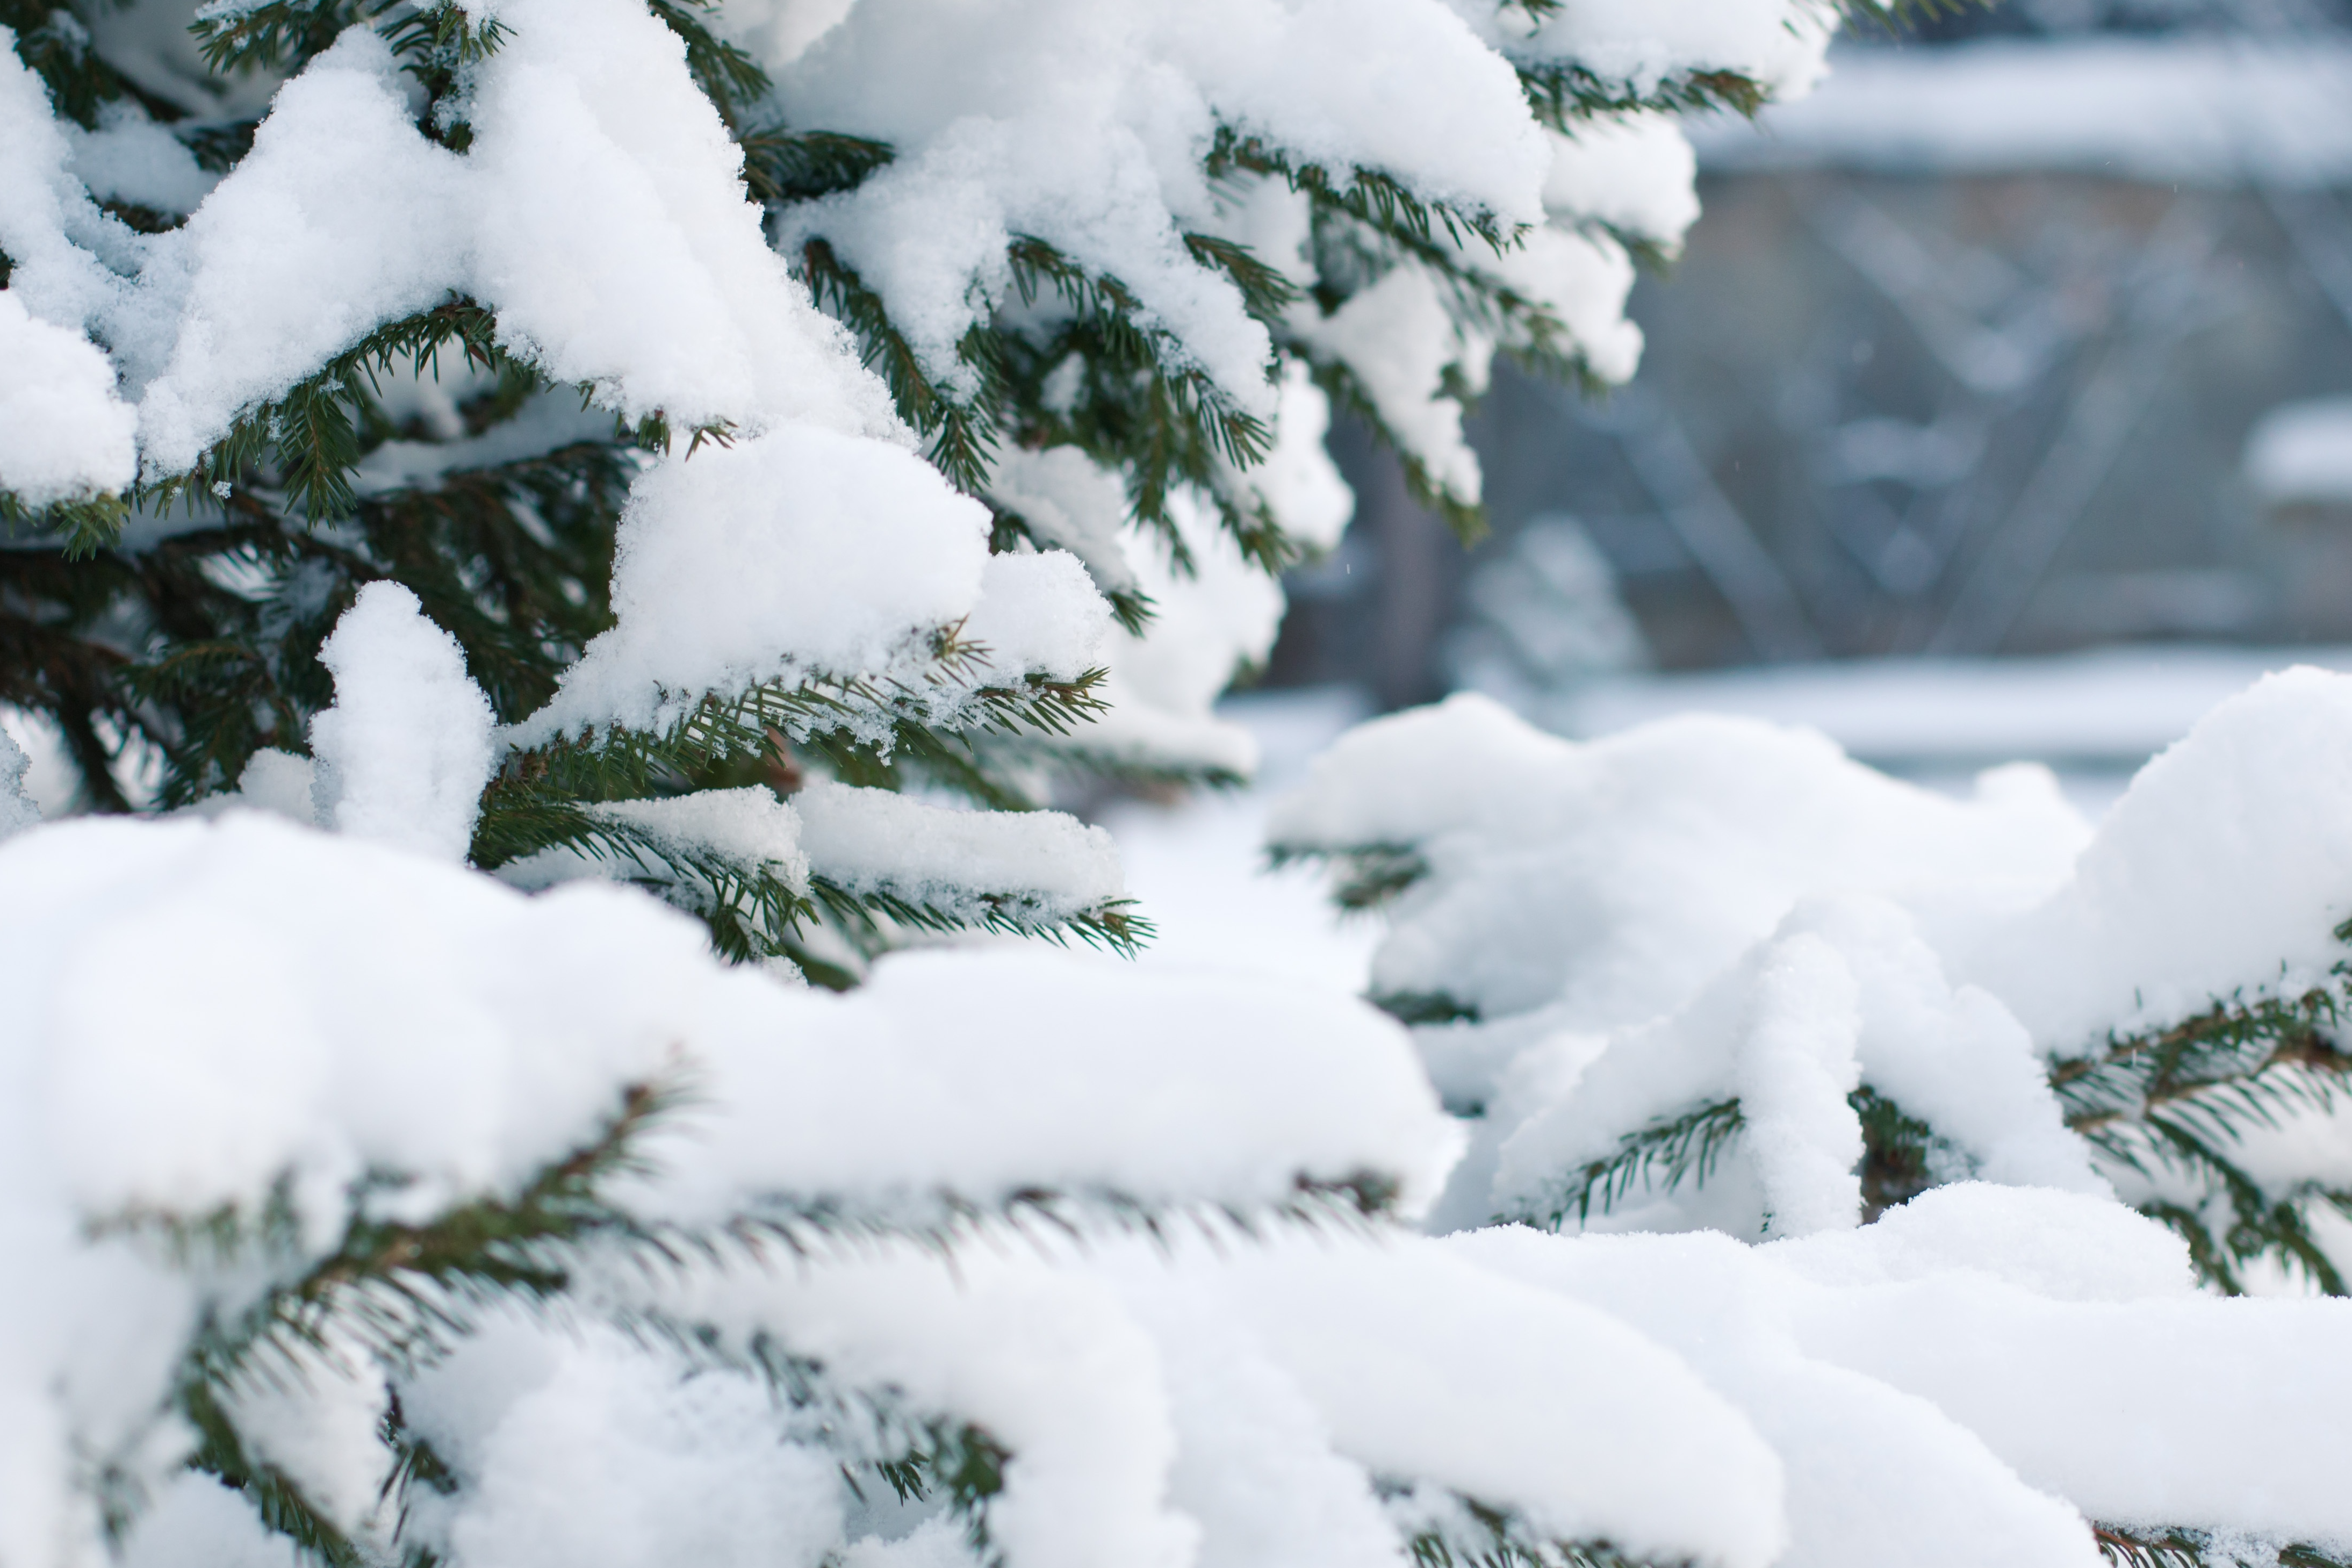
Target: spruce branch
point(1369, 196)
point(1662, 1155)
point(310, 436)
point(872, 915)
point(728, 74)
point(1367, 875)
point(1454, 1530)
point(2180, 1099)
point(781, 167)
point(963, 433)
point(1466, 519)
point(53, 42)
point(2130, 1546)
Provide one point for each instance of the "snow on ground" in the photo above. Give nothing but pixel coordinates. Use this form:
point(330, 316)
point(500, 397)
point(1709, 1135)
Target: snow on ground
point(2199, 110)
point(1198, 867)
point(2094, 717)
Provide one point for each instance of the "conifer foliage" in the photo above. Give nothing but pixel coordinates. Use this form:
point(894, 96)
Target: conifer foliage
point(463, 457)
point(745, 453)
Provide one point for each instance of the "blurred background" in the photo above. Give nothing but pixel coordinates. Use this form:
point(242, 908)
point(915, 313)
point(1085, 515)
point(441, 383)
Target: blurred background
point(2000, 407)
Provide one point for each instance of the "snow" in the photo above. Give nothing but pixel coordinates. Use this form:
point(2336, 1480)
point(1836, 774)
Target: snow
point(1704, 909)
point(1198, 866)
point(1398, 338)
point(2101, 710)
point(339, 185)
point(1077, 1358)
point(63, 432)
point(1101, 1210)
point(1069, 503)
point(403, 753)
point(1641, 46)
point(337, 1007)
point(18, 811)
point(2188, 108)
point(1207, 624)
point(1794, 1070)
point(798, 552)
point(2301, 452)
point(2222, 870)
point(1634, 172)
point(1047, 865)
point(1941, 1409)
point(748, 826)
point(1083, 125)
point(589, 1452)
point(598, 175)
point(317, 1420)
point(1971, 1373)
point(131, 158)
point(1039, 611)
point(1623, 874)
point(615, 241)
point(1298, 484)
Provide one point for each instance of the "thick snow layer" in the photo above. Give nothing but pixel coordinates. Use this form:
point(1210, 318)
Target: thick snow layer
point(599, 212)
point(131, 158)
point(1039, 613)
point(1046, 865)
point(1942, 1386)
point(1152, 1392)
point(1619, 875)
point(797, 552)
point(586, 1451)
point(340, 186)
point(1970, 1375)
point(1634, 172)
point(1083, 124)
point(1708, 909)
point(533, 1013)
point(314, 1009)
point(1207, 625)
point(2190, 106)
point(2302, 451)
point(2224, 870)
point(63, 431)
point(406, 750)
point(615, 238)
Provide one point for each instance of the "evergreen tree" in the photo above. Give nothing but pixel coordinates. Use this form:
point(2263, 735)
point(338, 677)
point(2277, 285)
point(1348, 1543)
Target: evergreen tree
point(552, 443)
